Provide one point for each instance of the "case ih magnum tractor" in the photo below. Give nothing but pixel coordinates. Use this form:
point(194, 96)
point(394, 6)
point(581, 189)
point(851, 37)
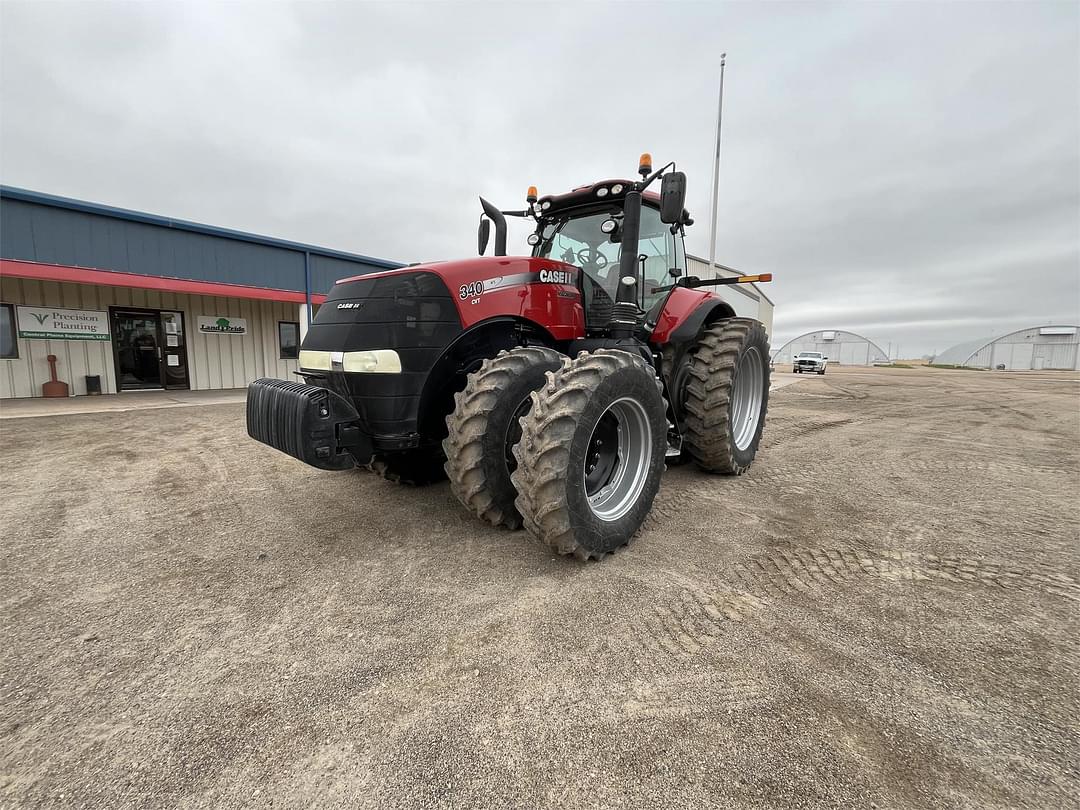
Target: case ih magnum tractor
point(550, 389)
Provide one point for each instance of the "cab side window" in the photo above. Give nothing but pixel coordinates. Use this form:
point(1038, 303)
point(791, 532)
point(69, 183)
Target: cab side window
point(663, 251)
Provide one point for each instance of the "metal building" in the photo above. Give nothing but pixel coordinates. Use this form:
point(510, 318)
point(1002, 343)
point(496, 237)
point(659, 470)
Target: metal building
point(746, 299)
point(143, 302)
point(1039, 347)
point(842, 348)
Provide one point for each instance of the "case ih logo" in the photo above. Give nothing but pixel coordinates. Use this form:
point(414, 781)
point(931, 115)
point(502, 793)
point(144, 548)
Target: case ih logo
point(557, 277)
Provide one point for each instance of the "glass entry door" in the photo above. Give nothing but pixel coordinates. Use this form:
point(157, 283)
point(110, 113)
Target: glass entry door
point(174, 350)
point(150, 349)
point(137, 338)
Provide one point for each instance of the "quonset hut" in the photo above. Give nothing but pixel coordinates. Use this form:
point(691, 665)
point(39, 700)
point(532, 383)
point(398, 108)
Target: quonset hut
point(1039, 347)
point(842, 348)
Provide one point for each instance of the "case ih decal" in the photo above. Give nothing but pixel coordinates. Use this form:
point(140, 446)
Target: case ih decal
point(477, 288)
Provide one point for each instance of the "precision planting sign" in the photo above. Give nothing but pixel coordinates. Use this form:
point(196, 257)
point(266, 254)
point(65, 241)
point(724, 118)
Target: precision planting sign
point(214, 325)
point(49, 323)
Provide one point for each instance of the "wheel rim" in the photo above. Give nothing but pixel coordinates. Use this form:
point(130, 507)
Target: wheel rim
point(746, 398)
point(617, 459)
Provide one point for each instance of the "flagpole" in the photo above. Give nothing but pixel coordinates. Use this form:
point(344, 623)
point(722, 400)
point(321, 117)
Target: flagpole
point(716, 171)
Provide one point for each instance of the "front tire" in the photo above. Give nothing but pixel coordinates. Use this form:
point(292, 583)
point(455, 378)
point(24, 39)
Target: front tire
point(727, 395)
point(591, 453)
point(484, 427)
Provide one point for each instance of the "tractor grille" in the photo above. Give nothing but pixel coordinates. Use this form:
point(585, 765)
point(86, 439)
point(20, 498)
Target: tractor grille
point(411, 313)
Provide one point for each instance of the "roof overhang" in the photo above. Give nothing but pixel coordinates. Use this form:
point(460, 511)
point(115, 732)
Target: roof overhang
point(112, 278)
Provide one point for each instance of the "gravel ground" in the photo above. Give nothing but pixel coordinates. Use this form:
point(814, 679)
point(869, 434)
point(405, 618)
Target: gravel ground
point(882, 612)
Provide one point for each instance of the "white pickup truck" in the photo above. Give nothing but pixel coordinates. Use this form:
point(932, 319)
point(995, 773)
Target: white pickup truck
point(809, 361)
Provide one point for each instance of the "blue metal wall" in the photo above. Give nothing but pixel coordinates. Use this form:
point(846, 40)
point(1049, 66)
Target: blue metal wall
point(54, 230)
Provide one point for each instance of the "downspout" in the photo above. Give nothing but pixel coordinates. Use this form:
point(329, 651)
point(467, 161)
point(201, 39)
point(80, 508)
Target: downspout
point(307, 285)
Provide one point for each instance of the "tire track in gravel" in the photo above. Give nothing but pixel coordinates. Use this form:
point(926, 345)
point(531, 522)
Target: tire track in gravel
point(673, 502)
point(690, 616)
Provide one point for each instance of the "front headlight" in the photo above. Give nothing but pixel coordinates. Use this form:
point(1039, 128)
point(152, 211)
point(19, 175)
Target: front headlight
point(316, 361)
point(377, 361)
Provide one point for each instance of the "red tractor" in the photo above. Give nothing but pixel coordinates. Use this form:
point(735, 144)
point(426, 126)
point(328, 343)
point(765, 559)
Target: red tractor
point(550, 389)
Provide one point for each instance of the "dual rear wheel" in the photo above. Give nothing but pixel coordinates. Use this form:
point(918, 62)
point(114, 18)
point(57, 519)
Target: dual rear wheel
point(574, 450)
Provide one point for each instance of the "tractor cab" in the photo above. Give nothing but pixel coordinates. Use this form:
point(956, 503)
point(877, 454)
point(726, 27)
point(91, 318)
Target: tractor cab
point(627, 241)
point(585, 229)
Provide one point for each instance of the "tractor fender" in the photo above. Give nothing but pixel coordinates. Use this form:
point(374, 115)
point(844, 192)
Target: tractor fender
point(686, 313)
point(462, 356)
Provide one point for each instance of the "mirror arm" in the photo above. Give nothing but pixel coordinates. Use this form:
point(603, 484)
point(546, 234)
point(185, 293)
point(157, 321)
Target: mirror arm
point(644, 184)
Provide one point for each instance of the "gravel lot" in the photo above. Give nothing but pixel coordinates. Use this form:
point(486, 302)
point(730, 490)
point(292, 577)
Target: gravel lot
point(882, 612)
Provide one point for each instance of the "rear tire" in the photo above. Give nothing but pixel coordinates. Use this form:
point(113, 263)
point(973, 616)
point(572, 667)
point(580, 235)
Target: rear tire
point(416, 467)
point(727, 395)
point(577, 494)
point(484, 427)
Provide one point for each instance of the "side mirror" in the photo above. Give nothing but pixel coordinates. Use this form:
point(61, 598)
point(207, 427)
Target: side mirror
point(672, 197)
point(482, 235)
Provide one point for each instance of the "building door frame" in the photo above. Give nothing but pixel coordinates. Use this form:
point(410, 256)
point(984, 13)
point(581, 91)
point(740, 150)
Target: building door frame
point(171, 348)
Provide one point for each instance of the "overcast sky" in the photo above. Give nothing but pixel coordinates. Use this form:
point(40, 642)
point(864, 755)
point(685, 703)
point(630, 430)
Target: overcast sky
point(910, 171)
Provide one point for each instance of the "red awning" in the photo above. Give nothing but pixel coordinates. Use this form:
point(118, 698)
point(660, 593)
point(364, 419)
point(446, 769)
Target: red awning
point(111, 278)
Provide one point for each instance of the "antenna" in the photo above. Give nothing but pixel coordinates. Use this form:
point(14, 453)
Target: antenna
point(716, 170)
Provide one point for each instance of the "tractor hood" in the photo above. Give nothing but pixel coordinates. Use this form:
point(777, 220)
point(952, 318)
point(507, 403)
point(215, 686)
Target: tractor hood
point(457, 272)
point(425, 306)
point(413, 315)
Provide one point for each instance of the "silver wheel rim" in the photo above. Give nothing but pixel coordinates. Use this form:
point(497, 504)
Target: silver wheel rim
point(746, 398)
point(620, 489)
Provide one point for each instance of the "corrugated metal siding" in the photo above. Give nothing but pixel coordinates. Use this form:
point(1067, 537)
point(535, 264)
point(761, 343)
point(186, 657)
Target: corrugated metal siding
point(742, 297)
point(52, 235)
point(214, 361)
point(326, 270)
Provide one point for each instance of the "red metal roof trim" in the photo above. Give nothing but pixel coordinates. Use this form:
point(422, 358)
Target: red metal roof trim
point(112, 278)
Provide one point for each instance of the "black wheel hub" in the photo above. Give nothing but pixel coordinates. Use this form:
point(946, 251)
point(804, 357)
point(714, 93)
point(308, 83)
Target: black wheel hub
point(602, 457)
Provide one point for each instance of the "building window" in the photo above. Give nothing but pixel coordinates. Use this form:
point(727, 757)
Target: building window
point(9, 347)
point(288, 339)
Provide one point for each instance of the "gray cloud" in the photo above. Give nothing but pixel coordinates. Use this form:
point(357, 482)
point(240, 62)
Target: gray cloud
point(911, 171)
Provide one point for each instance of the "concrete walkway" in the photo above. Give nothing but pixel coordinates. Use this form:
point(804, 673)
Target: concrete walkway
point(778, 381)
point(147, 400)
point(127, 401)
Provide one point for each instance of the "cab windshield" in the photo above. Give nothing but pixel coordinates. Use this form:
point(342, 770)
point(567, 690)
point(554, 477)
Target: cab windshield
point(578, 240)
